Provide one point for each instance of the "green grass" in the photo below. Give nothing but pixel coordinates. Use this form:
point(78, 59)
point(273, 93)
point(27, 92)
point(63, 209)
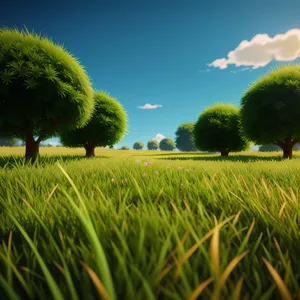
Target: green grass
point(188, 225)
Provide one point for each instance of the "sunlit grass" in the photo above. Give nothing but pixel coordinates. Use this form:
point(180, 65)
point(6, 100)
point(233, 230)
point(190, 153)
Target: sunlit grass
point(116, 228)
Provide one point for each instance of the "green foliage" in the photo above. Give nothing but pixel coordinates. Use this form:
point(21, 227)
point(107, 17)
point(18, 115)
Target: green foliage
point(125, 148)
point(138, 146)
point(107, 125)
point(218, 129)
point(271, 108)
point(269, 148)
point(275, 148)
point(184, 137)
point(152, 145)
point(167, 144)
point(8, 141)
point(296, 147)
point(43, 88)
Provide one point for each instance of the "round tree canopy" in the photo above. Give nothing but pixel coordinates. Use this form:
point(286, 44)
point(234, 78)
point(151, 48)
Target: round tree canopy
point(138, 146)
point(184, 137)
point(270, 110)
point(167, 144)
point(218, 129)
point(271, 107)
point(125, 148)
point(8, 141)
point(107, 126)
point(152, 145)
point(42, 87)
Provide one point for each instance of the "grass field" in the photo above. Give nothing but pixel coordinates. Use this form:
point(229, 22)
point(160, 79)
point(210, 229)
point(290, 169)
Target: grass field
point(184, 226)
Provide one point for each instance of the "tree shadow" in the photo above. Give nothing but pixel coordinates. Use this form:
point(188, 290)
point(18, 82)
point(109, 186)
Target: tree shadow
point(10, 162)
point(174, 153)
point(232, 158)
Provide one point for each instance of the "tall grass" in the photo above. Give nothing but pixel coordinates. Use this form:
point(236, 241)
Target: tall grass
point(112, 228)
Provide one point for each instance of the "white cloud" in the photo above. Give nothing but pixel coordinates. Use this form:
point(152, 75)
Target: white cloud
point(261, 50)
point(150, 106)
point(159, 137)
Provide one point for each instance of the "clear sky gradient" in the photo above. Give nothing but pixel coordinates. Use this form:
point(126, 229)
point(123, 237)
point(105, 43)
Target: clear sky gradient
point(157, 52)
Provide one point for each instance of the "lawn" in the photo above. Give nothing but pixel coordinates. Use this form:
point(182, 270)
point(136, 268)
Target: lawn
point(149, 225)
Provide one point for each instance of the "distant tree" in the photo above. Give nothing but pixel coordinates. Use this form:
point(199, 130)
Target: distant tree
point(125, 148)
point(184, 137)
point(269, 148)
point(296, 147)
point(106, 127)
point(270, 109)
point(167, 144)
point(46, 144)
point(43, 89)
point(275, 148)
point(8, 141)
point(152, 145)
point(218, 130)
point(111, 147)
point(138, 146)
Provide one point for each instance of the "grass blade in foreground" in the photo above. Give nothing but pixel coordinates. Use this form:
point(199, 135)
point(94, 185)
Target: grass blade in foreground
point(279, 282)
point(102, 264)
point(57, 295)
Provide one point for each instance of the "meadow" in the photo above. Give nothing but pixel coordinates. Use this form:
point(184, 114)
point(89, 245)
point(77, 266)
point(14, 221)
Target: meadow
point(149, 225)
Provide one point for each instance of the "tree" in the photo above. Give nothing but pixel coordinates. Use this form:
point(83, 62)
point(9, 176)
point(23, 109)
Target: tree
point(8, 142)
point(275, 148)
point(152, 145)
point(271, 109)
point(107, 126)
point(125, 148)
point(167, 144)
point(269, 148)
point(138, 146)
point(184, 137)
point(43, 89)
point(218, 130)
point(296, 147)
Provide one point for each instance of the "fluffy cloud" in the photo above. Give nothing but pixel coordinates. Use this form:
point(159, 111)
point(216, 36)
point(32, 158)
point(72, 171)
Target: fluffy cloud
point(262, 49)
point(159, 137)
point(150, 106)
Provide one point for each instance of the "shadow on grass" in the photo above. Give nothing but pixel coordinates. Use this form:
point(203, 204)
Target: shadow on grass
point(10, 162)
point(233, 158)
point(174, 153)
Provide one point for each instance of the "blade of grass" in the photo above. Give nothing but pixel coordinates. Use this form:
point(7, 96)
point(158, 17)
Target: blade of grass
point(197, 292)
point(192, 250)
point(9, 290)
point(49, 278)
point(102, 264)
point(97, 282)
point(214, 250)
point(283, 290)
point(226, 274)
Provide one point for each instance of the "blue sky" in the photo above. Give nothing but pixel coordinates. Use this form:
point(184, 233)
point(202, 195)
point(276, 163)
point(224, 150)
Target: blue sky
point(157, 52)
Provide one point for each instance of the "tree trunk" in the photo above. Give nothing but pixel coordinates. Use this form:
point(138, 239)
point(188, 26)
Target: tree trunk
point(224, 153)
point(31, 148)
point(287, 150)
point(90, 150)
